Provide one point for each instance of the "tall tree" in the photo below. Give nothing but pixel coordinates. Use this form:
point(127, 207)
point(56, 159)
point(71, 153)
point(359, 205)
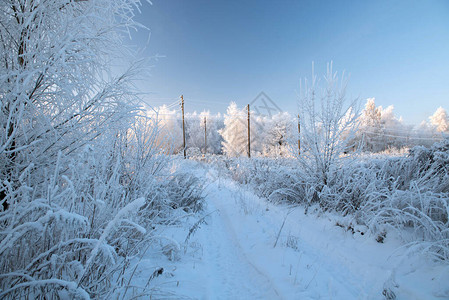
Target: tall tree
point(235, 132)
point(55, 89)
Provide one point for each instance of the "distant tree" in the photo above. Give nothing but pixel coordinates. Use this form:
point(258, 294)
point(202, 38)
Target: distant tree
point(195, 131)
point(235, 132)
point(395, 134)
point(279, 133)
point(439, 120)
point(57, 90)
point(170, 128)
point(213, 125)
point(370, 126)
point(380, 129)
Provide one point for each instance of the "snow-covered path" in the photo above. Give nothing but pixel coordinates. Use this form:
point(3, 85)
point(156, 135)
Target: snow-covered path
point(235, 257)
point(240, 258)
point(232, 275)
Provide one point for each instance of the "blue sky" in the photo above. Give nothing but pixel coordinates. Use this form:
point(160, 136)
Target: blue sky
point(221, 51)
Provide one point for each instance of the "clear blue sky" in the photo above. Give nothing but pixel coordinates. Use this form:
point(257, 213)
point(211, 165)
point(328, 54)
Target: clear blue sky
point(221, 51)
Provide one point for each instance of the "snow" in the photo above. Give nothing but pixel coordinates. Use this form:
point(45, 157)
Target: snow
point(77, 148)
point(233, 256)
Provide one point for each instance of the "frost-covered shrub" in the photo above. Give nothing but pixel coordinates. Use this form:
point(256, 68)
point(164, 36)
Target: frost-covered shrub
point(185, 190)
point(181, 190)
point(398, 192)
point(75, 233)
point(173, 191)
point(277, 180)
point(414, 194)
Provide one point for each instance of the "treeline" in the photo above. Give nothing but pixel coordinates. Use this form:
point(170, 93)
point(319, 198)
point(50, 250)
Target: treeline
point(379, 129)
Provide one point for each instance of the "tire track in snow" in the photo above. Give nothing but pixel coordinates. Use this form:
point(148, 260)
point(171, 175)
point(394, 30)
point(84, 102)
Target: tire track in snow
point(243, 255)
point(233, 274)
point(327, 269)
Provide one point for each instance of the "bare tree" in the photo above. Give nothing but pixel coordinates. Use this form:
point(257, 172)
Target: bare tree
point(328, 123)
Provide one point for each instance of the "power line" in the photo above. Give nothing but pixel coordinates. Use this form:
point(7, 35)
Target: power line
point(161, 103)
point(404, 137)
point(387, 129)
point(210, 102)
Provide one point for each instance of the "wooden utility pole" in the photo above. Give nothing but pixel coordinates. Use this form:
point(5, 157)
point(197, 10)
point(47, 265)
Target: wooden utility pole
point(249, 133)
point(183, 127)
point(299, 136)
point(205, 136)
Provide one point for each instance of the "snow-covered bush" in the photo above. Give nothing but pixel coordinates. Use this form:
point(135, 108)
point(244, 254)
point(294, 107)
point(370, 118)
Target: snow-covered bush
point(398, 192)
point(415, 194)
point(277, 180)
point(56, 88)
point(185, 191)
point(74, 234)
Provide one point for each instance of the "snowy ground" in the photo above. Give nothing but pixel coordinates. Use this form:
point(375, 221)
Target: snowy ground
point(233, 256)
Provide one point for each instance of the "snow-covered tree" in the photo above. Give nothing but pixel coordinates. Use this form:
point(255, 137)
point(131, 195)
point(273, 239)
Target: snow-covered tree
point(279, 134)
point(196, 130)
point(55, 89)
point(380, 129)
point(370, 126)
point(427, 133)
point(214, 125)
point(74, 162)
point(169, 122)
point(235, 132)
point(199, 125)
point(440, 120)
point(327, 129)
